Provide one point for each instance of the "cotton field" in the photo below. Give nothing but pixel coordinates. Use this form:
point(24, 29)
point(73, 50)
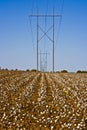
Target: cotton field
point(43, 101)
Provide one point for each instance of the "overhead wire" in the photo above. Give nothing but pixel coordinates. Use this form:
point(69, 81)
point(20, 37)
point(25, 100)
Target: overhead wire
point(61, 11)
point(31, 30)
point(45, 43)
point(37, 5)
point(47, 5)
point(32, 6)
point(60, 21)
point(30, 21)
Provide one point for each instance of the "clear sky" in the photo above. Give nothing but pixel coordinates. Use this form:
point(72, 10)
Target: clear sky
point(18, 34)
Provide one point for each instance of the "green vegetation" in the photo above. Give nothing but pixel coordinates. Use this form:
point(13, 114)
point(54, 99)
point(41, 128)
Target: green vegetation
point(79, 71)
point(64, 71)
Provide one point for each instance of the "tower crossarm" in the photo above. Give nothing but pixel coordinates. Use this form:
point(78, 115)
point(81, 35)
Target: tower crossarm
point(43, 15)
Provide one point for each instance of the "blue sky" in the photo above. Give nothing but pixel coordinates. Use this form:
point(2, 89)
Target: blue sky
point(18, 34)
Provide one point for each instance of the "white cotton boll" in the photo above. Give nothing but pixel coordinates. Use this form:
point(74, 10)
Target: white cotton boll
point(52, 127)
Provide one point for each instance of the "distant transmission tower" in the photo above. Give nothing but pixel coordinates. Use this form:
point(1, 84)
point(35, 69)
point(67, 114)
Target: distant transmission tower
point(45, 33)
point(43, 61)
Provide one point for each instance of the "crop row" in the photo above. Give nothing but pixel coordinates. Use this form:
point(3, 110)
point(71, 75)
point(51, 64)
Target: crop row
point(43, 101)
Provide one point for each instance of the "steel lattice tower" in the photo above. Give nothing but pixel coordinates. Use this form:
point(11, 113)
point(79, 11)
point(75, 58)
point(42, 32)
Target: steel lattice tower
point(45, 33)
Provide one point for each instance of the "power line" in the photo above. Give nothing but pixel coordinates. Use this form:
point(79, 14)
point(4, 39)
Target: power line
point(31, 30)
point(30, 21)
point(47, 3)
point(37, 5)
point(32, 6)
point(47, 6)
point(62, 6)
point(60, 21)
point(45, 31)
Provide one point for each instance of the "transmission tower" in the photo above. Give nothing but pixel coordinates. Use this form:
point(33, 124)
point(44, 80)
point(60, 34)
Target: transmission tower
point(43, 61)
point(45, 33)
